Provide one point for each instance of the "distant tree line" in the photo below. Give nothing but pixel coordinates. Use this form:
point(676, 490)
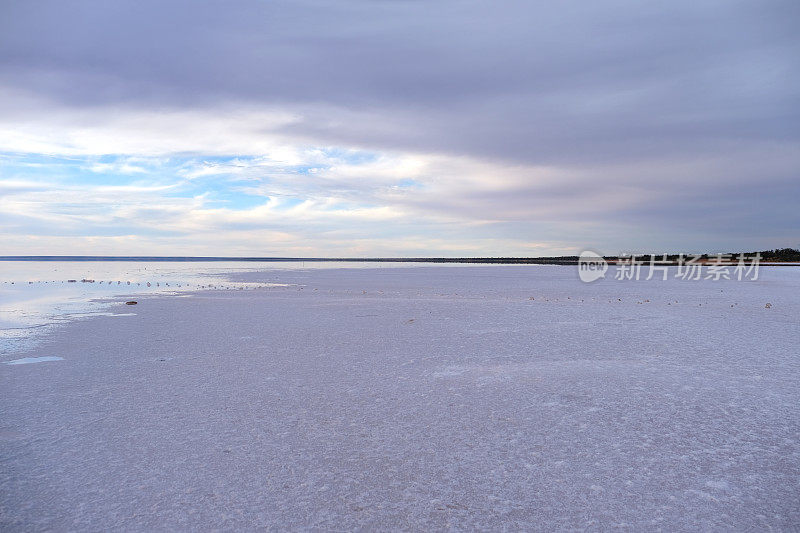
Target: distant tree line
point(780, 255)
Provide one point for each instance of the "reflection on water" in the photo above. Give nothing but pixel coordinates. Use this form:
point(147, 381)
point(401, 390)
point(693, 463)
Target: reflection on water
point(30, 360)
point(37, 295)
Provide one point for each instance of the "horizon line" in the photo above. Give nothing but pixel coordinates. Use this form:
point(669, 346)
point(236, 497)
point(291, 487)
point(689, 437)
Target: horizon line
point(278, 258)
point(286, 259)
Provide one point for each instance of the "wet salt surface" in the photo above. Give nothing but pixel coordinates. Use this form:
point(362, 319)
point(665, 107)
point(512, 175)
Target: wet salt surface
point(36, 296)
point(29, 360)
point(477, 398)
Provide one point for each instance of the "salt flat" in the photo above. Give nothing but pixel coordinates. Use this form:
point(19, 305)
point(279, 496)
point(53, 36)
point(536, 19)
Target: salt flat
point(492, 397)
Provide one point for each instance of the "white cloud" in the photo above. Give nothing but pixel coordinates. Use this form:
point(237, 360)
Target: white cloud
point(332, 198)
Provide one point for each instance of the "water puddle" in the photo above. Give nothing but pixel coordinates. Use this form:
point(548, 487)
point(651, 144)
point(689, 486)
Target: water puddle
point(30, 360)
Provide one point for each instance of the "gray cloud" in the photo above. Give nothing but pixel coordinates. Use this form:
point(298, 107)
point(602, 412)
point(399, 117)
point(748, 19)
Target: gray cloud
point(530, 81)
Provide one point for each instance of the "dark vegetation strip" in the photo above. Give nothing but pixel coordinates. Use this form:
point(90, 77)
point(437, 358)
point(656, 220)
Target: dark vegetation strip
point(781, 255)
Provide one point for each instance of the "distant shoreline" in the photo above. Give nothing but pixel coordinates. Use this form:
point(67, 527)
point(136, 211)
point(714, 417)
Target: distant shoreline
point(200, 259)
point(565, 260)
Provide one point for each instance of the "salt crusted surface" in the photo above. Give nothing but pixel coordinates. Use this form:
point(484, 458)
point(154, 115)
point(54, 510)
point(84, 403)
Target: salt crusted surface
point(510, 397)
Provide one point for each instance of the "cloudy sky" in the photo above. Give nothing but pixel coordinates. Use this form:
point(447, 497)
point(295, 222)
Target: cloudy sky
point(398, 127)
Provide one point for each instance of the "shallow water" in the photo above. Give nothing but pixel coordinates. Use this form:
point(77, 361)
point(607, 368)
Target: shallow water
point(38, 295)
point(30, 360)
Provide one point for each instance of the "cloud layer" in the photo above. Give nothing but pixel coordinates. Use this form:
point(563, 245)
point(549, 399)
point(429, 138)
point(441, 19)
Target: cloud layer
point(397, 127)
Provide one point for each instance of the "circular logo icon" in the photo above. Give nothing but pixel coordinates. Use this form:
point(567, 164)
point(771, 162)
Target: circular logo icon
point(591, 266)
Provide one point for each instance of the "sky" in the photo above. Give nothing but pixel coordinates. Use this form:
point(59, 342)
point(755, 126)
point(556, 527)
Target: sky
point(398, 127)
